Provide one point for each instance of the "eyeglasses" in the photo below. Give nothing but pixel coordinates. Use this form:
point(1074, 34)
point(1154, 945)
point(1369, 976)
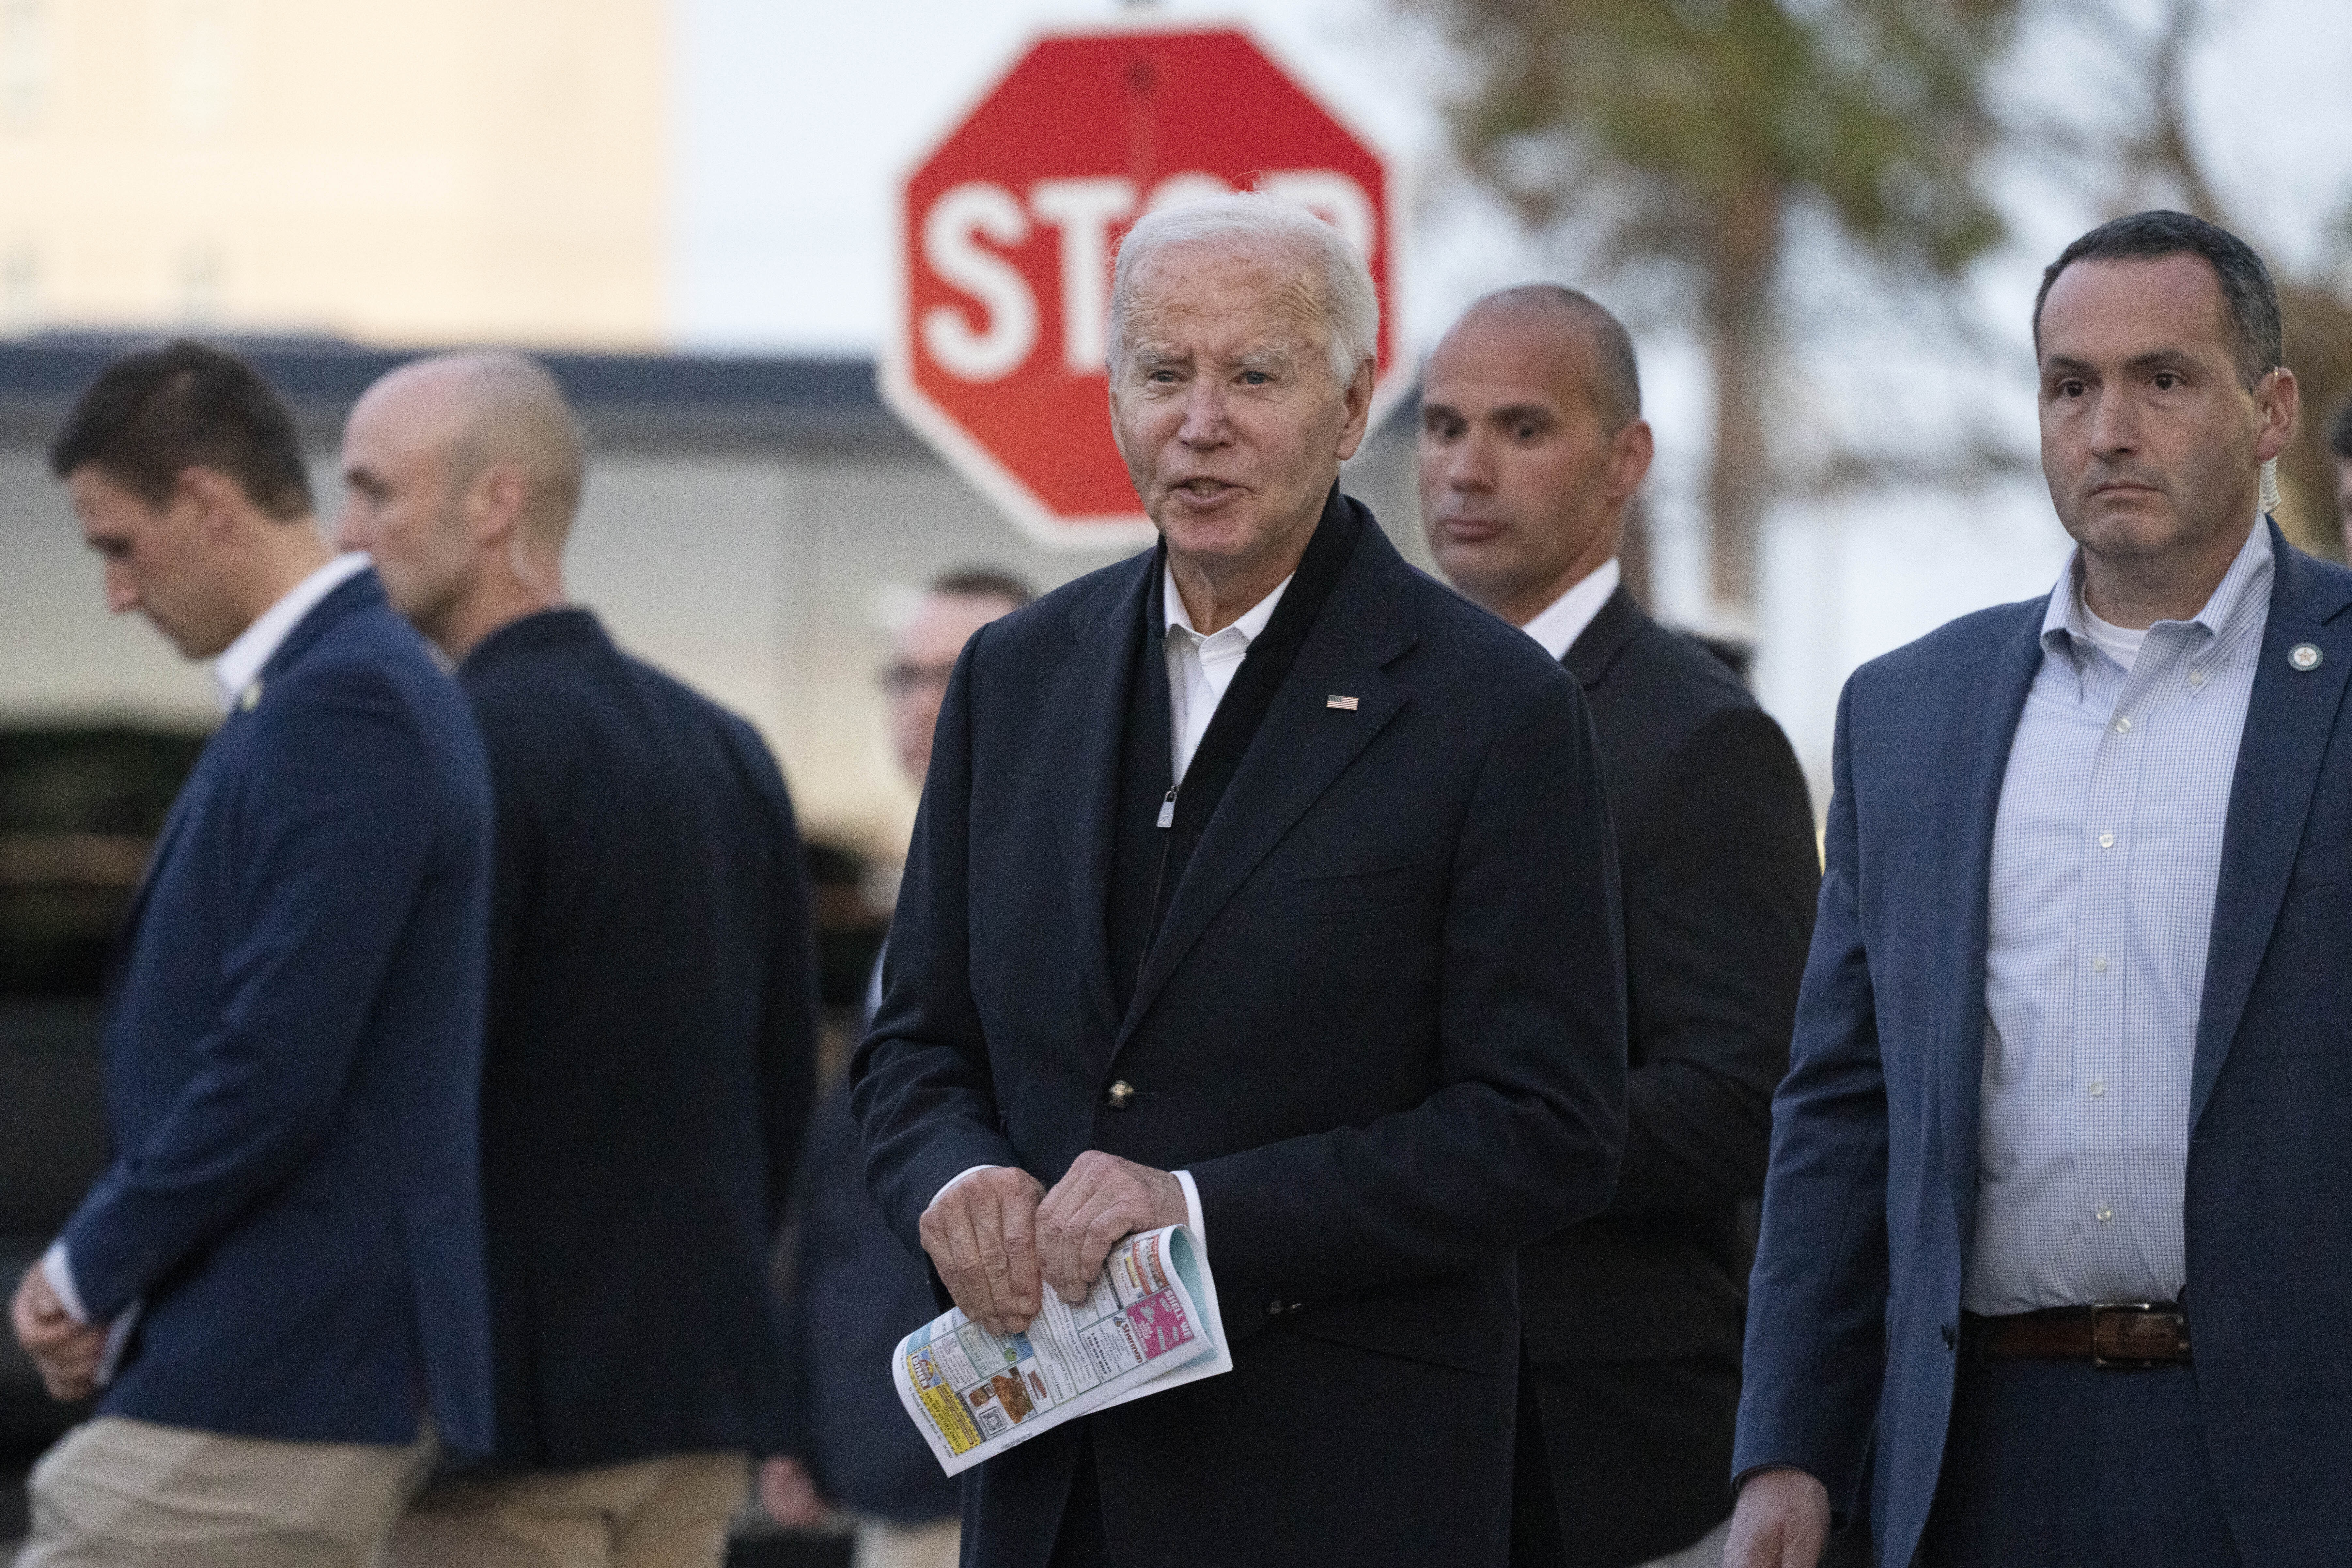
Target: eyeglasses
point(905, 678)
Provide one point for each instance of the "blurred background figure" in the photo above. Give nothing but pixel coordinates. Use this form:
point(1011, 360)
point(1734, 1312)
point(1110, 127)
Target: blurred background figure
point(278, 1282)
point(1532, 446)
point(2339, 442)
point(854, 1288)
point(650, 1044)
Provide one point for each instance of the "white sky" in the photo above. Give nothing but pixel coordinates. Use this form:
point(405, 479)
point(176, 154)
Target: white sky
point(797, 117)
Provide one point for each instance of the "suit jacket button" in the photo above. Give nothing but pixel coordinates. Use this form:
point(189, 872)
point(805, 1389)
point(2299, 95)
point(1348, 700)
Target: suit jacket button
point(1121, 1095)
point(1273, 1309)
point(1952, 1336)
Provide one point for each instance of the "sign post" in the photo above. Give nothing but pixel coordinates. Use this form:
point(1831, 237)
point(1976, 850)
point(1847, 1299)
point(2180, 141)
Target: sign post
point(1007, 228)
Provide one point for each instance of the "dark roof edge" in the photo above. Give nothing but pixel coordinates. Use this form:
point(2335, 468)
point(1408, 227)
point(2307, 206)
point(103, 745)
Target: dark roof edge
point(663, 399)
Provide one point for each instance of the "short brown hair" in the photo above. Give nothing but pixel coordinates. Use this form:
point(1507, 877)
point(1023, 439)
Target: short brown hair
point(152, 414)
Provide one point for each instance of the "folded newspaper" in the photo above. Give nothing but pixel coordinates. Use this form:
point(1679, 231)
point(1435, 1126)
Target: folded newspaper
point(1150, 1324)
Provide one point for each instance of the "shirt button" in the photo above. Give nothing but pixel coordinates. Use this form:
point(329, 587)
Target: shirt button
point(2098, 1087)
point(2105, 1214)
point(2123, 726)
point(1121, 1095)
point(2106, 841)
point(2196, 678)
point(2099, 965)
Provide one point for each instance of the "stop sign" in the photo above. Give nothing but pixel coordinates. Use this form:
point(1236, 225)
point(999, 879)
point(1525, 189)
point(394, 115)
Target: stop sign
point(1007, 228)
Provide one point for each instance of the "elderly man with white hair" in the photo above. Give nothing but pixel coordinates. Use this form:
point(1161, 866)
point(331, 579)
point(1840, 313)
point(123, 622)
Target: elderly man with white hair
point(1260, 884)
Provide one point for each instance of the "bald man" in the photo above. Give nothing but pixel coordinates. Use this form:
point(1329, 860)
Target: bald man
point(650, 1030)
point(1532, 445)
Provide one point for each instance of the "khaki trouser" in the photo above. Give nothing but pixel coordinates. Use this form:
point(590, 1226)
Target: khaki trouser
point(881, 1543)
point(666, 1513)
point(118, 1493)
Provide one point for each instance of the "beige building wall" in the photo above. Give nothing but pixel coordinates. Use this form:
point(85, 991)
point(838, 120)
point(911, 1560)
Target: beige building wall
point(426, 171)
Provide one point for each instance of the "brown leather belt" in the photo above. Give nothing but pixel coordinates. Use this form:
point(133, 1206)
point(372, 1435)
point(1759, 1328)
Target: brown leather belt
point(2113, 1333)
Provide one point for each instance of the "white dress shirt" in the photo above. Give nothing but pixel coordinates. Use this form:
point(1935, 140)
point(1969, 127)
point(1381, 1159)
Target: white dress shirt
point(246, 658)
point(1200, 669)
point(238, 666)
point(2106, 855)
point(1558, 624)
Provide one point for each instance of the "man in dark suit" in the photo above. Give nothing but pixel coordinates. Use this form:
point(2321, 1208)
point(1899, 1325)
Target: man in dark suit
point(2058, 1199)
point(1263, 885)
point(1532, 443)
point(278, 1282)
point(651, 1027)
point(856, 1285)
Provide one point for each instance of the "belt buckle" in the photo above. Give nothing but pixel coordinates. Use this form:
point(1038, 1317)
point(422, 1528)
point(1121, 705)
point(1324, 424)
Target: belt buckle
point(2102, 1309)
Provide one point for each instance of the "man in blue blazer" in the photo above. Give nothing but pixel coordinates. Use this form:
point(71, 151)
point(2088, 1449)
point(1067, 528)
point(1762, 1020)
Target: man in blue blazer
point(1264, 885)
point(2058, 1197)
point(278, 1282)
point(650, 1042)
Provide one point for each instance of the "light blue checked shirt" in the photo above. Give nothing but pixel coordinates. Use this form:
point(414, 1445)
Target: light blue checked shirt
point(2106, 853)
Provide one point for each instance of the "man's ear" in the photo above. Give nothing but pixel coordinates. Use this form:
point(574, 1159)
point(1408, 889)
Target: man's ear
point(210, 501)
point(494, 505)
point(1358, 402)
point(1630, 453)
point(2278, 406)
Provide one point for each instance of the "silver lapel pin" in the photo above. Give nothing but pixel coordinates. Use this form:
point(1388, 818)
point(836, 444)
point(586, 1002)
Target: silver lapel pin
point(251, 697)
point(1347, 703)
point(2305, 656)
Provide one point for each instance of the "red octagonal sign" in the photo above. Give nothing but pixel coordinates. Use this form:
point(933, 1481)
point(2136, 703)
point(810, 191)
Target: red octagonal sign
point(1007, 228)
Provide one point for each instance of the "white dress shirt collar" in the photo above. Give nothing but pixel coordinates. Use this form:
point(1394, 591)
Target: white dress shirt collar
point(1558, 624)
point(243, 659)
point(2069, 615)
point(1199, 667)
point(1251, 625)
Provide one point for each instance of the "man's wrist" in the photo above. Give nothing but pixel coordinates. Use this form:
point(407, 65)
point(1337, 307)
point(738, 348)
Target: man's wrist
point(967, 1174)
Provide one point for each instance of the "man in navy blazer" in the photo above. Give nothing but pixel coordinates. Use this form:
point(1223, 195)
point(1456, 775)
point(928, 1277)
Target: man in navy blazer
point(650, 1040)
point(279, 1281)
point(2058, 1196)
point(1264, 885)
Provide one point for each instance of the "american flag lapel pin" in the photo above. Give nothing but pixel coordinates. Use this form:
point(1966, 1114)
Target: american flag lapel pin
point(1349, 703)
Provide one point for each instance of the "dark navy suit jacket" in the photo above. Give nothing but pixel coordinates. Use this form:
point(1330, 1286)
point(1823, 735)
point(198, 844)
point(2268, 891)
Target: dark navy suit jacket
point(1382, 1025)
point(1854, 1308)
point(857, 1290)
point(650, 1053)
point(293, 1043)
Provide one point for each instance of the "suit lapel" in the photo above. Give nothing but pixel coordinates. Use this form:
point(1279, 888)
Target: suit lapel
point(1992, 701)
point(1606, 637)
point(355, 593)
point(1088, 709)
point(1300, 747)
point(2289, 720)
point(126, 929)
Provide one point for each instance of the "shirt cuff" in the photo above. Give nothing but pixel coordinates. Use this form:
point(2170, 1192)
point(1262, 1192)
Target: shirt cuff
point(1184, 1179)
point(58, 1270)
point(1192, 1211)
point(960, 1178)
